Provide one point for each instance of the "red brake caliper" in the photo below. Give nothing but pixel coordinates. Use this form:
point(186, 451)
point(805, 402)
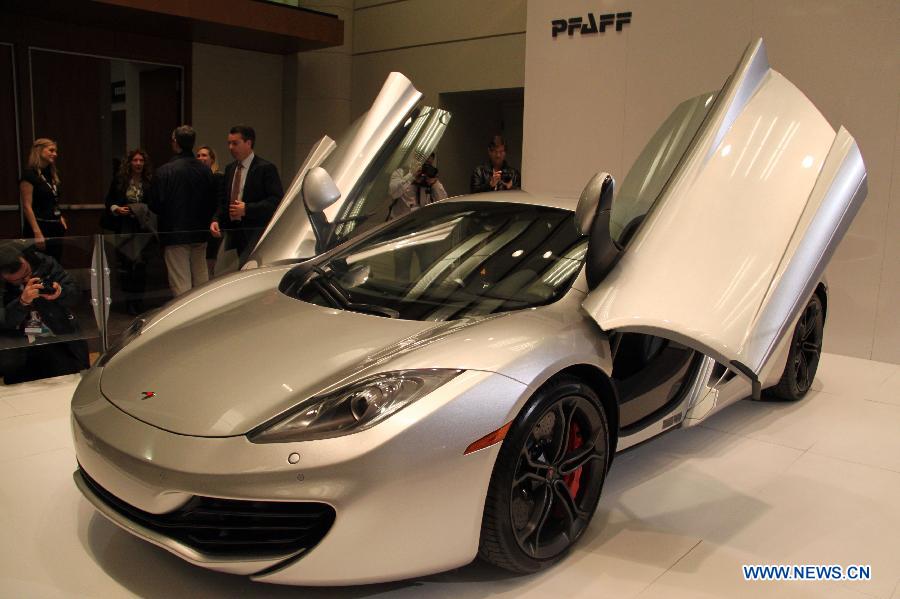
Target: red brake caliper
point(573, 480)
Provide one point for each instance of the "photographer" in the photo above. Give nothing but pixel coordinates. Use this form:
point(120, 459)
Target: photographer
point(37, 298)
point(415, 187)
point(496, 174)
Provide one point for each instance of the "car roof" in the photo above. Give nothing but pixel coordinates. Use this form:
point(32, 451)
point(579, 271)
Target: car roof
point(519, 197)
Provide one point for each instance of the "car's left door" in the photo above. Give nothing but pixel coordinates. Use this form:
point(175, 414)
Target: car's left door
point(290, 234)
point(740, 233)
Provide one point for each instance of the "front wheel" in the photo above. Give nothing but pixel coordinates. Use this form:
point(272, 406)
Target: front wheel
point(547, 479)
point(806, 349)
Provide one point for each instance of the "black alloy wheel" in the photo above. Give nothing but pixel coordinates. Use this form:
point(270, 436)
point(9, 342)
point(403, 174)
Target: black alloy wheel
point(805, 352)
point(547, 479)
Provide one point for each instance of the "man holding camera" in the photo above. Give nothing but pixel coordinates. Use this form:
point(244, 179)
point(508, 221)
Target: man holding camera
point(415, 187)
point(496, 174)
point(38, 296)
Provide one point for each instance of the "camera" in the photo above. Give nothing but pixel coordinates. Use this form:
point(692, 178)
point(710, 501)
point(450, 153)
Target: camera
point(506, 176)
point(429, 171)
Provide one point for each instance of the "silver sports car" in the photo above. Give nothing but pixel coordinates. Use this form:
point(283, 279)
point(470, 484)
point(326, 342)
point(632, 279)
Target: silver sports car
point(379, 397)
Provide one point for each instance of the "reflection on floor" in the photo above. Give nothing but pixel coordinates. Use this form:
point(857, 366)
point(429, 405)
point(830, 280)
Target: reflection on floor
point(815, 482)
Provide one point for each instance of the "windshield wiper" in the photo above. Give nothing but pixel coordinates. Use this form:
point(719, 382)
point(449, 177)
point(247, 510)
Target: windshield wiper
point(337, 295)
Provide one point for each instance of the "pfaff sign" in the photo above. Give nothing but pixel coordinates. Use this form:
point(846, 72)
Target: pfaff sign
point(593, 24)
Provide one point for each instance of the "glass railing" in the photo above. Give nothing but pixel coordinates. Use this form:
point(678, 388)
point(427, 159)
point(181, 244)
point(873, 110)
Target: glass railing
point(89, 290)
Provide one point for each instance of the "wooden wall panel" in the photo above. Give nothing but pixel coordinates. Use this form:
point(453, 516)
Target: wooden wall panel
point(160, 111)
point(28, 34)
point(9, 159)
point(69, 104)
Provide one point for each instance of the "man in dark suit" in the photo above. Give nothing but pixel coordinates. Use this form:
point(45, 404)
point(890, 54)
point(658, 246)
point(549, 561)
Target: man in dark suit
point(249, 197)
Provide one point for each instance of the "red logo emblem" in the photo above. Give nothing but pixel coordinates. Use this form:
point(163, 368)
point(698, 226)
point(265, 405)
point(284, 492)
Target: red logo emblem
point(148, 395)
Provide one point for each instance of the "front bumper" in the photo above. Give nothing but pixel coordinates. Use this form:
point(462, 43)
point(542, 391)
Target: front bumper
point(407, 501)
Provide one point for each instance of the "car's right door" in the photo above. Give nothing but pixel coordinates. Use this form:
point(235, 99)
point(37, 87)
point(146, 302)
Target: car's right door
point(740, 233)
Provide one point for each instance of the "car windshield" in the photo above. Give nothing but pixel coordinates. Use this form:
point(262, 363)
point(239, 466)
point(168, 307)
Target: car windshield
point(448, 261)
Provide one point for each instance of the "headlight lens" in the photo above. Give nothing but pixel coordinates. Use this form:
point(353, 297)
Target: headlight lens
point(354, 408)
point(127, 336)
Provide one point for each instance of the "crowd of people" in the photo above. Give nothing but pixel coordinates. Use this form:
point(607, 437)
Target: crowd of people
point(188, 206)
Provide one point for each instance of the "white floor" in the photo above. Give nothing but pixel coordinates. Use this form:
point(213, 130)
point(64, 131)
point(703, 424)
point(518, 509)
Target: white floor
point(817, 482)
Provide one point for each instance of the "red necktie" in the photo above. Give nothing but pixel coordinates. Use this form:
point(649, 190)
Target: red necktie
point(236, 185)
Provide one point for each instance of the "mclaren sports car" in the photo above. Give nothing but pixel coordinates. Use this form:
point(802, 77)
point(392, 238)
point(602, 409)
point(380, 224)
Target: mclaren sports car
point(378, 396)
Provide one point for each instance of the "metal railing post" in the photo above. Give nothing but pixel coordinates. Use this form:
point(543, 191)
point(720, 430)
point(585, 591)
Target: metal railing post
point(100, 290)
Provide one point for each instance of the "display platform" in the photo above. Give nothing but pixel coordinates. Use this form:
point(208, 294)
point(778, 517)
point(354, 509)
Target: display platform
point(812, 482)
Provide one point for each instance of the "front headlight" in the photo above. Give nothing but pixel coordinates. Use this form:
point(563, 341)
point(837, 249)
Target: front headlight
point(354, 408)
point(127, 336)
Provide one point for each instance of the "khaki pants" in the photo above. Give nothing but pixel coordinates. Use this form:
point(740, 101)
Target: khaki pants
point(186, 265)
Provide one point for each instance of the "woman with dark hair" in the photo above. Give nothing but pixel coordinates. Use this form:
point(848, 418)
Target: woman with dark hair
point(129, 217)
point(39, 192)
point(207, 156)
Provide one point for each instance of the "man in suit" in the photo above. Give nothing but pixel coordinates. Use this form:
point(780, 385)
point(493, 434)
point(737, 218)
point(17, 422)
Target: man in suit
point(249, 197)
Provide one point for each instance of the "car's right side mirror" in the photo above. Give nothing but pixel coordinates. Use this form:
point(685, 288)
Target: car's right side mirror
point(319, 190)
point(592, 219)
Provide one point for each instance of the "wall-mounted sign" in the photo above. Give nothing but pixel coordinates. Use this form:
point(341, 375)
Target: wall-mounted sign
point(118, 91)
point(593, 24)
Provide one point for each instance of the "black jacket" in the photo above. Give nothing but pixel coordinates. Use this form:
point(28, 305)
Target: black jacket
point(183, 197)
point(116, 196)
point(56, 314)
point(481, 178)
point(262, 193)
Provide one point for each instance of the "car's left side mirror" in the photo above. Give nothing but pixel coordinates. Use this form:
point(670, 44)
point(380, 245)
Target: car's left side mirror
point(319, 192)
point(596, 196)
point(592, 219)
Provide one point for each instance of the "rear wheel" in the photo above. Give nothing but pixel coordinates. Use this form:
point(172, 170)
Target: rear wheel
point(806, 349)
point(547, 479)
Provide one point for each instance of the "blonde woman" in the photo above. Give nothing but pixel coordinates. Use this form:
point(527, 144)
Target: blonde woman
point(39, 192)
point(207, 156)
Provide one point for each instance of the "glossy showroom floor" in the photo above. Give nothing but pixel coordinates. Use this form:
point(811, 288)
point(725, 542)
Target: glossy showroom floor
point(816, 482)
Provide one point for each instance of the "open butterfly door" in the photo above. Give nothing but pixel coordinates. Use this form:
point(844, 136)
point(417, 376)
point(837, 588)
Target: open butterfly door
point(740, 234)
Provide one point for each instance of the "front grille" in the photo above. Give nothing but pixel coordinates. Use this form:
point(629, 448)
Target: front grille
point(232, 528)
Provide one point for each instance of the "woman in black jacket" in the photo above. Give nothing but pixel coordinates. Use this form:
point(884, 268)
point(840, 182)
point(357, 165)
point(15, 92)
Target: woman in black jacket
point(129, 217)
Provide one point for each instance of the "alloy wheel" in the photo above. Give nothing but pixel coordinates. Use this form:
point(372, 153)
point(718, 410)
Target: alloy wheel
point(556, 484)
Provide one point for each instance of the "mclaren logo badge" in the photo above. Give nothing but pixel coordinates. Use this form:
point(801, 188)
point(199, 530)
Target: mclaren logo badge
point(148, 394)
point(591, 24)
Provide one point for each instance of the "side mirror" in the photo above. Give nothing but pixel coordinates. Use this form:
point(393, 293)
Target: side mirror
point(592, 219)
point(319, 190)
point(597, 196)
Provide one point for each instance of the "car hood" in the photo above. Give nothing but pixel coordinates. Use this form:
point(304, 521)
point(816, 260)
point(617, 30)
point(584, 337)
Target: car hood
point(233, 368)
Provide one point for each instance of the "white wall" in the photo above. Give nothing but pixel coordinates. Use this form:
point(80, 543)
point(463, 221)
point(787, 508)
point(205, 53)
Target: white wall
point(233, 86)
point(441, 46)
point(592, 102)
point(317, 89)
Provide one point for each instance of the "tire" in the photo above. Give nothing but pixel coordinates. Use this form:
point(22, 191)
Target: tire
point(804, 355)
point(547, 479)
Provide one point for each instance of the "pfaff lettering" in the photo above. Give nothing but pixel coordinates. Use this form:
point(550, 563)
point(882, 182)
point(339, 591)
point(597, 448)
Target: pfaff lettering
point(592, 25)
